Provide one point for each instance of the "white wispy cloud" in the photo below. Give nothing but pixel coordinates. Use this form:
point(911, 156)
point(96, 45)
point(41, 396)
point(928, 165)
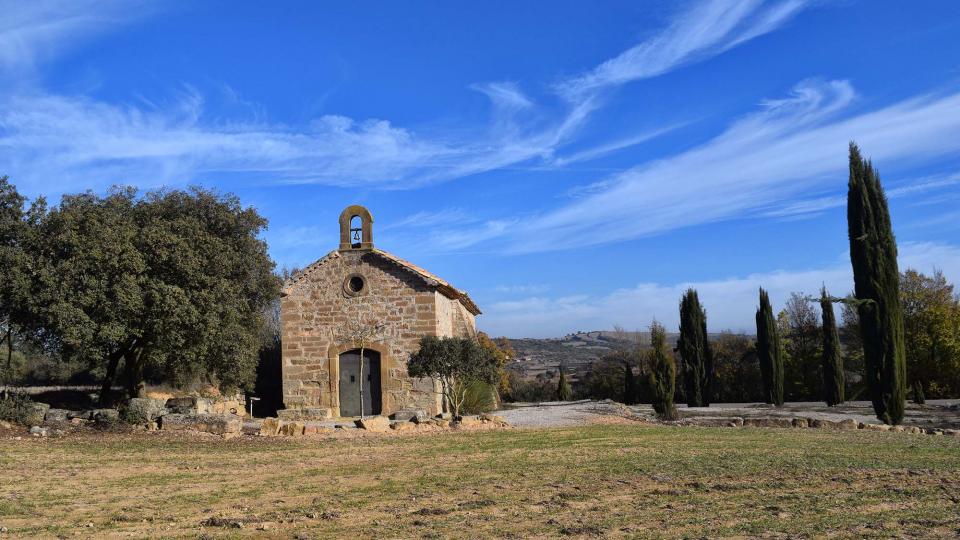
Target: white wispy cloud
point(789, 148)
point(817, 205)
point(55, 142)
point(34, 31)
point(730, 303)
point(702, 30)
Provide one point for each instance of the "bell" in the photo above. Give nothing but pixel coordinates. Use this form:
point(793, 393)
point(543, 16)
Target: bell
point(356, 235)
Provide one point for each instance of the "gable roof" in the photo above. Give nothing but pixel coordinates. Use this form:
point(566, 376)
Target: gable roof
point(431, 280)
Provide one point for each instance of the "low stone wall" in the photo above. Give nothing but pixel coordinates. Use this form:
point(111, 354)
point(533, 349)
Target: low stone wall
point(810, 423)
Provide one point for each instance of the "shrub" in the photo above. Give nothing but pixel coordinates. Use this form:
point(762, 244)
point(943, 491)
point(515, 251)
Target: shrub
point(18, 408)
point(479, 397)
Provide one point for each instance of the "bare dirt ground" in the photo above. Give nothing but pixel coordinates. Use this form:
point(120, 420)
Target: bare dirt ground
point(935, 413)
point(626, 479)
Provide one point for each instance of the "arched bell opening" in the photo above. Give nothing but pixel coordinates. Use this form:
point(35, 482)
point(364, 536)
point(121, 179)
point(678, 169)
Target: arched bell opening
point(356, 228)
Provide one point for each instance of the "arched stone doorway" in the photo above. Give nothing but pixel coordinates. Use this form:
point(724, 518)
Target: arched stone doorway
point(350, 381)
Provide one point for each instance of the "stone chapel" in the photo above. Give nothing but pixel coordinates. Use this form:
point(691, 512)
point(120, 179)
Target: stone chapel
point(359, 289)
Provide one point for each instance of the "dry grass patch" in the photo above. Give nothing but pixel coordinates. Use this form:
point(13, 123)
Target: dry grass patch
point(628, 481)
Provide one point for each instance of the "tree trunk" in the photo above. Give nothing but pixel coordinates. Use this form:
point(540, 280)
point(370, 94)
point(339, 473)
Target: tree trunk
point(361, 381)
point(9, 346)
point(112, 364)
point(133, 373)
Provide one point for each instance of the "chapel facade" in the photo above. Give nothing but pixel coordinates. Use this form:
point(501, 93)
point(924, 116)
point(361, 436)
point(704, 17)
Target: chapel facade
point(358, 294)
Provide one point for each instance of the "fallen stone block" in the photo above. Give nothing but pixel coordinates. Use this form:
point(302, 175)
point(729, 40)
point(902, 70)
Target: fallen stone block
point(847, 423)
point(715, 421)
point(409, 415)
point(952, 432)
point(768, 422)
point(291, 429)
point(36, 413)
point(144, 410)
point(317, 430)
point(493, 419)
point(80, 415)
point(182, 405)
point(800, 422)
point(469, 421)
point(105, 416)
point(402, 425)
point(38, 431)
point(218, 424)
point(56, 415)
point(874, 427)
point(306, 413)
point(934, 431)
point(270, 427)
point(374, 423)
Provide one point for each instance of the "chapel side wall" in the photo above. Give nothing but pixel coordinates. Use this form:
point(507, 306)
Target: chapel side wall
point(314, 312)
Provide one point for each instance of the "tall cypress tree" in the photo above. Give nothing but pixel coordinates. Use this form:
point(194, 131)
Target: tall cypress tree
point(832, 359)
point(873, 254)
point(663, 373)
point(564, 392)
point(769, 351)
point(695, 350)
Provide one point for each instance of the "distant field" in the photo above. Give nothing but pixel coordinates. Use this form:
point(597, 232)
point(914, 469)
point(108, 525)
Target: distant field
point(603, 480)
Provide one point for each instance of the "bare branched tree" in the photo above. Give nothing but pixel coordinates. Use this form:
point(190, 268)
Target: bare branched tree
point(360, 329)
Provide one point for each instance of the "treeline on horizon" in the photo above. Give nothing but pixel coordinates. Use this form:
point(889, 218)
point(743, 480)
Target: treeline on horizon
point(899, 333)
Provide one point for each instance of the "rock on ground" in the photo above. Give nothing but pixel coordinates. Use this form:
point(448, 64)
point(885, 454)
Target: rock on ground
point(374, 423)
point(56, 415)
point(218, 424)
point(144, 410)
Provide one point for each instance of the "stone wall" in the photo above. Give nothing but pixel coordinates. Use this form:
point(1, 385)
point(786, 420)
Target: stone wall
point(315, 311)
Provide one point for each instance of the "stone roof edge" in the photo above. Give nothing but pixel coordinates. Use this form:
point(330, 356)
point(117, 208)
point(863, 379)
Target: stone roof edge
point(441, 285)
point(307, 270)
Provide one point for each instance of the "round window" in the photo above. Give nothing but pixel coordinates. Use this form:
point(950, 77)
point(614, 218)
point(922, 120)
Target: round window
point(354, 285)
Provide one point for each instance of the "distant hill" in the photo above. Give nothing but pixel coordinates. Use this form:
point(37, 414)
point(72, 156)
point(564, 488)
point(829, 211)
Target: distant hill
point(574, 351)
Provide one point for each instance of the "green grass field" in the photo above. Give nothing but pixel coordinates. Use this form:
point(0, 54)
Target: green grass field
point(628, 480)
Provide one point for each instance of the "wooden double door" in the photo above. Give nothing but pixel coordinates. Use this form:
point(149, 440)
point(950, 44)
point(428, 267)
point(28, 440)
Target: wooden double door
point(351, 379)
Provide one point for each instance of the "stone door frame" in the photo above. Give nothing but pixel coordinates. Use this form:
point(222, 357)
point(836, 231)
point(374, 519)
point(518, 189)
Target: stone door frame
point(387, 404)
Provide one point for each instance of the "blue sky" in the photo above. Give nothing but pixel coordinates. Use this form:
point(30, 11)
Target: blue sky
point(572, 165)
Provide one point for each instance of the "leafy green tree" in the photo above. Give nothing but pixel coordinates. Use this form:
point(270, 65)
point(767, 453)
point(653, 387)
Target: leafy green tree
point(833, 380)
point(454, 362)
point(769, 351)
point(737, 377)
point(663, 373)
point(501, 356)
point(695, 350)
point(931, 321)
point(172, 286)
point(12, 268)
point(873, 254)
point(564, 392)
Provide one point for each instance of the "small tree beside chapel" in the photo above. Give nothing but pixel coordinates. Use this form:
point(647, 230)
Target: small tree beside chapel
point(454, 362)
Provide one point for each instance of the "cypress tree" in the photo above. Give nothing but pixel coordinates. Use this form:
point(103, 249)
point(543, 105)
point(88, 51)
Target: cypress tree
point(630, 390)
point(695, 350)
point(873, 255)
point(832, 359)
point(663, 373)
point(769, 351)
point(564, 392)
point(918, 396)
